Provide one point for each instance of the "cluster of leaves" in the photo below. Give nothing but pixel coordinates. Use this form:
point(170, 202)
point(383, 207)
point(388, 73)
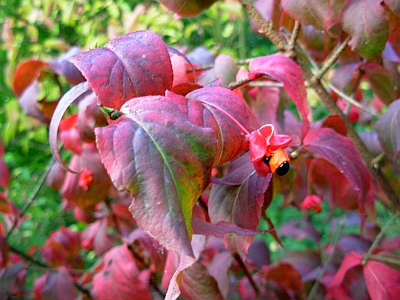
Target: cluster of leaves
point(180, 159)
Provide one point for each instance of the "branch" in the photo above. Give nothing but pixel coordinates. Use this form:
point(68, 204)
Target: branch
point(31, 259)
point(246, 272)
point(331, 60)
point(265, 28)
point(327, 263)
point(293, 38)
point(29, 202)
point(378, 239)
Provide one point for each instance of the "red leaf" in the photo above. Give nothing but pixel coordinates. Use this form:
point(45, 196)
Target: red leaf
point(226, 114)
point(285, 70)
point(92, 185)
point(382, 281)
point(368, 25)
point(26, 74)
point(388, 130)
point(343, 282)
point(96, 237)
point(332, 185)
point(132, 65)
point(321, 14)
point(165, 162)
point(187, 8)
point(340, 152)
point(239, 202)
point(120, 278)
point(197, 283)
point(57, 285)
point(286, 276)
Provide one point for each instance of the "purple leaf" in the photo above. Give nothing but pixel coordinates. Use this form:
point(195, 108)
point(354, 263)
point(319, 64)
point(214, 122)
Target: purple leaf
point(239, 204)
point(285, 70)
point(368, 25)
point(221, 228)
point(8, 277)
point(388, 128)
point(59, 285)
point(62, 66)
point(299, 230)
point(133, 65)
point(340, 152)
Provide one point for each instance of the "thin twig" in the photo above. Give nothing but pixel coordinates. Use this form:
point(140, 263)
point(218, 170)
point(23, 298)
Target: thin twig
point(152, 281)
point(378, 239)
point(32, 198)
point(293, 38)
point(351, 100)
point(385, 259)
point(331, 60)
point(31, 259)
point(247, 273)
point(327, 262)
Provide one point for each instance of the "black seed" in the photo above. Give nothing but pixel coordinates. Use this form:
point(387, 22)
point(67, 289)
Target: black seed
point(266, 160)
point(282, 169)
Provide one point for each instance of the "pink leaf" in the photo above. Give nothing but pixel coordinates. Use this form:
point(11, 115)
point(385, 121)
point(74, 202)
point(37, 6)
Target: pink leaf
point(121, 278)
point(219, 269)
point(133, 65)
point(96, 237)
point(382, 281)
point(285, 70)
